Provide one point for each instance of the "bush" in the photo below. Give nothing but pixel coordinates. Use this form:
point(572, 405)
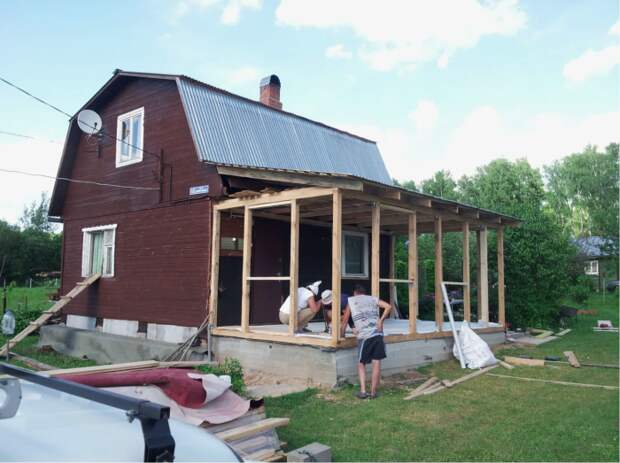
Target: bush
point(24, 316)
point(582, 289)
point(230, 367)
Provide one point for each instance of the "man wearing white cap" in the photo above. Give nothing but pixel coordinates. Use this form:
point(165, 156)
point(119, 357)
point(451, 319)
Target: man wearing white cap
point(326, 299)
point(307, 306)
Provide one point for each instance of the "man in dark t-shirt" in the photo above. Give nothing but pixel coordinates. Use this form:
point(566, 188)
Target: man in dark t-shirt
point(326, 298)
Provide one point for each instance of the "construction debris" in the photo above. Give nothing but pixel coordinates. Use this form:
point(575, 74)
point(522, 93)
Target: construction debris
point(572, 359)
point(527, 339)
point(540, 334)
point(524, 361)
point(422, 387)
point(563, 383)
point(605, 325)
point(444, 384)
point(563, 332)
point(508, 366)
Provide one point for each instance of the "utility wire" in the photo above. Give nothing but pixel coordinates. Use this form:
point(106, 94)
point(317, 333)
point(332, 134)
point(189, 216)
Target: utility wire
point(88, 182)
point(21, 135)
point(55, 108)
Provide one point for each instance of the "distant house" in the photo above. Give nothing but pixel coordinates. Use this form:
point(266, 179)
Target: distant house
point(598, 255)
point(210, 204)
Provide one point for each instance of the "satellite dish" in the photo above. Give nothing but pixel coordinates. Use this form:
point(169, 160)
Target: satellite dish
point(89, 121)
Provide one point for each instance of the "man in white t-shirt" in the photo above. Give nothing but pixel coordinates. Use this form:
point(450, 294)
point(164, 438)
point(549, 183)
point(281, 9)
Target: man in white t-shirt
point(307, 306)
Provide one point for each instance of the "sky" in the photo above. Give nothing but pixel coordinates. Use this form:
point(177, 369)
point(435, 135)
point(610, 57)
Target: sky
point(438, 84)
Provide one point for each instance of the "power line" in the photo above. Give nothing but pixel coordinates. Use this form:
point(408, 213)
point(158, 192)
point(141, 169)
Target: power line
point(21, 135)
point(73, 180)
point(55, 108)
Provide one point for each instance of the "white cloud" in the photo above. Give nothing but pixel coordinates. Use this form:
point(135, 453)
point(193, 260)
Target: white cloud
point(18, 190)
point(338, 51)
point(615, 29)
point(230, 10)
point(404, 33)
point(244, 75)
point(425, 115)
point(484, 135)
point(592, 63)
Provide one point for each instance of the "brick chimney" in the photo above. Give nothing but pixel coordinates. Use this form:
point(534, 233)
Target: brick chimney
point(270, 91)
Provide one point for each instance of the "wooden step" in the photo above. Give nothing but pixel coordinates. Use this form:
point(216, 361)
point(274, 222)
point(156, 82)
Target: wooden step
point(251, 429)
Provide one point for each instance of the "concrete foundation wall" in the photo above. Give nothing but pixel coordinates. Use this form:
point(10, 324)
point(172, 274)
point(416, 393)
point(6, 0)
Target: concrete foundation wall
point(329, 366)
point(102, 347)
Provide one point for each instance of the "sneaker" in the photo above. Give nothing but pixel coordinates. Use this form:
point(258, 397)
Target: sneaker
point(362, 395)
point(373, 396)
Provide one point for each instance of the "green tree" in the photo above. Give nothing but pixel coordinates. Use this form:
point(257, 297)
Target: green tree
point(441, 184)
point(34, 216)
point(583, 191)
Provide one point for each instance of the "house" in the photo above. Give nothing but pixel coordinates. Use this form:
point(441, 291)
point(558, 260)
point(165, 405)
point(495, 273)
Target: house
point(599, 257)
point(210, 204)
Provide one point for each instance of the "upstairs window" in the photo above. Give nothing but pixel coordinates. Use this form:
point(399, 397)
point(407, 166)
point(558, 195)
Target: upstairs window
point(355, 255)
point(129, 137)
point(591, 267)
point(98, 250)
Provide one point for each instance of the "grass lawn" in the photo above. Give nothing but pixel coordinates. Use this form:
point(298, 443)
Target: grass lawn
point(487, 418)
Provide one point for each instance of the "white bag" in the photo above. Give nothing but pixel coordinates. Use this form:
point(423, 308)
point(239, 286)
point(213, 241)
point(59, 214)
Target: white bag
point(476, 352)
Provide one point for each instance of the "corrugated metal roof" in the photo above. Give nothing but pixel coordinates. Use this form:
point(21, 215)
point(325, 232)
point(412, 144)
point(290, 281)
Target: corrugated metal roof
point(234, 131)
point(596, 246)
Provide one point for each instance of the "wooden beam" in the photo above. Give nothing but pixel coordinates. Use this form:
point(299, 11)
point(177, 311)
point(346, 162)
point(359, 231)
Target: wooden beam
point(277, 197)
point(438, 274)
point(215, 267)
point(246, 269)
point(294, 267)
point(483, 282)
point(501, 288)
point(336, 264)
point(375, 249)
point(392, 272)
point(295, 178)
point(412, 259)
point(466, 287)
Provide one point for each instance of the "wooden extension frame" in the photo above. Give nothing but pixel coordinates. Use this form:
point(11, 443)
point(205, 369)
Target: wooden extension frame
point(410, 214)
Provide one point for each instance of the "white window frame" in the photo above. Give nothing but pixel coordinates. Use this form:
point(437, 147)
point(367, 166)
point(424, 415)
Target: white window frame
point(87, 250)
point(119, 143)
point(591, 267)
point(345, 274)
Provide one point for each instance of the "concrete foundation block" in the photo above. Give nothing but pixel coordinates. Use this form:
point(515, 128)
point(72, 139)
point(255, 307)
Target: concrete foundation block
point(102, 347)
point(81, 322)
point(169, 333)
point(120, 327)
point(311, 452)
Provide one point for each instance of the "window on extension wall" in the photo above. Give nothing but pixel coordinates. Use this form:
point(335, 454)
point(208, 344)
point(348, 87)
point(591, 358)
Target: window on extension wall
point(129, 137)
point(98, 245)
point(354, 255)
point(591, 267)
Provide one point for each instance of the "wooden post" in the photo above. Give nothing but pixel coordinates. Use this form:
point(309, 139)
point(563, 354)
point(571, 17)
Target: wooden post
point(245, 273)
point(392, 272)
point(438, 274)
point(466, 279)
point(215, 267)
point(294, 267)
point(336, 263)
point(501, 303)
point(413, 272)
point(483, 282)
point(375, 248)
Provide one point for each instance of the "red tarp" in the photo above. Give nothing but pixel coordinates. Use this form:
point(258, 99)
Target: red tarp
point(175, 383)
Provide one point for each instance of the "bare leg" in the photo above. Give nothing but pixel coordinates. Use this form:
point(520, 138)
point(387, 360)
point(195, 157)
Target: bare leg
point(361, 371)
point(376, 376)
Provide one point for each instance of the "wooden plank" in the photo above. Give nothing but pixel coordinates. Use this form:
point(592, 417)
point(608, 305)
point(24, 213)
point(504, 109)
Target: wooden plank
point(186, 363)
point(508, 366)
point(478, 293)
point(483, 288)
point(466, 278)
point(336, 264)
point(45, 316)
point(563, 332)
point(438, 274)
point(142, 365)
point(215, 267)
point(246, 268)
point(549, 381)
point(501, 288)
point(394, 280)
point(524, 362)
point(449, 384)
point(426, 385)
point(276, 336)
point(412, 263)
point(267, 198)
point(278, 278)
point(294, 266)
point(572, 359)
point(392, 273)
point(375, 249)
point(252, 429)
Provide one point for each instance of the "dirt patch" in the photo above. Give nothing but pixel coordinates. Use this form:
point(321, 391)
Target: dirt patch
point(261, 384)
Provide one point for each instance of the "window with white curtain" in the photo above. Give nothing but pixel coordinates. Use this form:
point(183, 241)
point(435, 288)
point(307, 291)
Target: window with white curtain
point(98, 250)
point(129, 137)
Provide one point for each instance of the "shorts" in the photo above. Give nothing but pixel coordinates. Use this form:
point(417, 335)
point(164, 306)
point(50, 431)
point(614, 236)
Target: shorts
point(370, 349)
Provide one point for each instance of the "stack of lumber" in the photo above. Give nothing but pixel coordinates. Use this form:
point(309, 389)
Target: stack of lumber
point(253, 435)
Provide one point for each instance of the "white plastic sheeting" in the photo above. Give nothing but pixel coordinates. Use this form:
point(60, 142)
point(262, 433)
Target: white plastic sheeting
point(476, 352)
